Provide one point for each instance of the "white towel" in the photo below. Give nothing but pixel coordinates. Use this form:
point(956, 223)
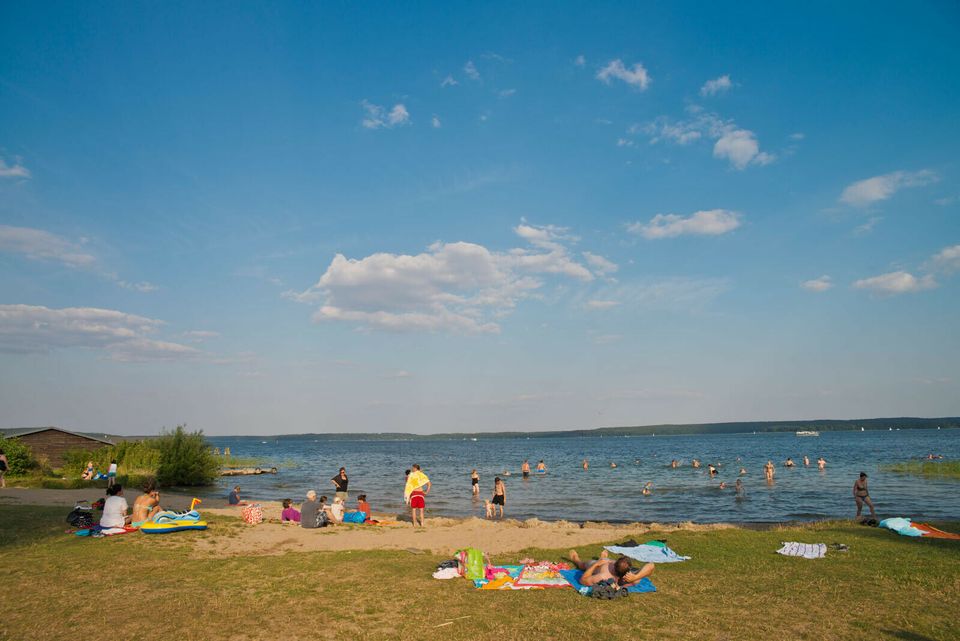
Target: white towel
point(806, 550)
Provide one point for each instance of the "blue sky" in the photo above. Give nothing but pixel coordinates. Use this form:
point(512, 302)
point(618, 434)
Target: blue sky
point(381, 217)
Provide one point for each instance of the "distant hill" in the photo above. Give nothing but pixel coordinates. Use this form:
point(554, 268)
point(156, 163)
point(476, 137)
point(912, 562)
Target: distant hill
point(743, 427)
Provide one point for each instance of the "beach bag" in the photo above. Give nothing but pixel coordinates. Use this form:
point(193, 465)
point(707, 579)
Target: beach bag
point(354, 517)
point(471, 560)
point(252, 514)
point(80, 517)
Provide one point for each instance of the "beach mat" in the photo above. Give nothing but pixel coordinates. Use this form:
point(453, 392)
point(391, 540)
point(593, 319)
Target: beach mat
point(573, 578)
point(930, 532)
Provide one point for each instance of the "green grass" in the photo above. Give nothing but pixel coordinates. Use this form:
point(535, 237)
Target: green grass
point(57, 586)
point(948, 469)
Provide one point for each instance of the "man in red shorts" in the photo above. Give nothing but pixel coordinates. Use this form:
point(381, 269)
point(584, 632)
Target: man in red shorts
point(418, 492)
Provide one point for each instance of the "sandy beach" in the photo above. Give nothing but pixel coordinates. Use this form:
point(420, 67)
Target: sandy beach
point(441, 535)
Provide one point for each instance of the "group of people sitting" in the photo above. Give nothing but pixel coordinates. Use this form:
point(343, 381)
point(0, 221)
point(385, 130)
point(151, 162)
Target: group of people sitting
point(316, 512)
point(115, 507)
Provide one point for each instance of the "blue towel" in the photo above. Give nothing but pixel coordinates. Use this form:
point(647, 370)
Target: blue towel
point(901, 526)
point(573, 578)
point(649, 553)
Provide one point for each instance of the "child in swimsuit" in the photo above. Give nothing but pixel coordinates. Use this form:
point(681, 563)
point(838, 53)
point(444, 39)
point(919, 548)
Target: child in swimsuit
point(475, 482)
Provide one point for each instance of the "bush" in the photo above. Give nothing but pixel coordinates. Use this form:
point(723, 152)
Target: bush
point(185, 459)
point(20, 459)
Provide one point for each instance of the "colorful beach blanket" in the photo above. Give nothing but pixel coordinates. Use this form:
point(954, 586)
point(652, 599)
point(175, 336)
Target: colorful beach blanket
point(543, 576)
point(805, 550)
point(573, 578)
point(648, 553)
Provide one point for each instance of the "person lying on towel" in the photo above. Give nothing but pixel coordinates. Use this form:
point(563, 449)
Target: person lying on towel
point(603, 569)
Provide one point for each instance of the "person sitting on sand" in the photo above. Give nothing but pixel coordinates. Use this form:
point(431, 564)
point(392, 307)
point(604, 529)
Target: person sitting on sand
point(603, 569)
point(115, 508)
point(89, 472)
point(336, 510)
point(789, 462)
point(363, 506)
point(862, 495)
point(541, 467)
point(147, 504)
point(233, 499)
point(499, 494)
point(290, 514)
point(310, 510)
point(821, 463)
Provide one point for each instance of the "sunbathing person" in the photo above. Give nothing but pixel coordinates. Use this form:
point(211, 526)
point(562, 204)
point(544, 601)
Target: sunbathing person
point(147, 505)
point(89, 472)
point(603, 569)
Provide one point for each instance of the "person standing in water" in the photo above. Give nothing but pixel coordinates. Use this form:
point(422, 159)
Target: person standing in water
point(821, 464)
point(769, 470)
point(525, 468)
point(475, 482)
point(499, 494)
point(586, 465)
point(806, 461)
point(862, 495)
point(541, 467)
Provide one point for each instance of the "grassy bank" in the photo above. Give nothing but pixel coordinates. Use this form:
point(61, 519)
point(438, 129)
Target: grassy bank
point(58, 586)
point(948, 469)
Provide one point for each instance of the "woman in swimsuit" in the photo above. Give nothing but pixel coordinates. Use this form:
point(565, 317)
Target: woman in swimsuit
point(147, 504)
point(475, 482)
point(88, 473)
point(862, 495)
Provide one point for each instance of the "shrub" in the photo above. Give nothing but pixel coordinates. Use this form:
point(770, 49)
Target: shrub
point(185, 459)
point(20, 459)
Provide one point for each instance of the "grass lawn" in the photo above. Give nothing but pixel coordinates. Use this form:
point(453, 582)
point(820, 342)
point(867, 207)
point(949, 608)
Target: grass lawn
point(58, 587)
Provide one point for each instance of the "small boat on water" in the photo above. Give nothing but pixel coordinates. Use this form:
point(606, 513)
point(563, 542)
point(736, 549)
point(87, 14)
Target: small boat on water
point(808, 433)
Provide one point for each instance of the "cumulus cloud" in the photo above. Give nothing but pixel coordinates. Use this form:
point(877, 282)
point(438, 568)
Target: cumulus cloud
point(16, 170)
point(624, 142)
point(712, 222)
point(451, 287)
point(126, 337)
point(894, 283)
point(741, 148)
point(636, 77)
point(600, 264)
point(37, 244)
point(947, 260)
point(733, 143)
point(471, 70)
point(377, 117)
point(435, 122)
point(817, 285)
point(715, 86)
point(870, 190)
point(449, 81)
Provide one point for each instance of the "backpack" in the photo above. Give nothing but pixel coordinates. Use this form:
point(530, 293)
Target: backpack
point(81, 517)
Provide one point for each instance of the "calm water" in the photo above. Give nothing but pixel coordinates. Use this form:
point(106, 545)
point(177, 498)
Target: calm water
point(602, 493)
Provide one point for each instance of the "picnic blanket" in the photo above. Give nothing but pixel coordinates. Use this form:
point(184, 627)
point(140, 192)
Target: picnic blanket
point(573, 578)
point(543, 576)
point(97, 531)
point(901, 526)
point(805, 550)
point(648, 553)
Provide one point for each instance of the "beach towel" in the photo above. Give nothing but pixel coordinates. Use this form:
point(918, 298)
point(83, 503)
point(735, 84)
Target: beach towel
point(504, 576)
point(805, 550)
point(901, 526)
point(543, 576)
point(573, 578)
point(930, 532)
point(648, 553)
point(414, 481)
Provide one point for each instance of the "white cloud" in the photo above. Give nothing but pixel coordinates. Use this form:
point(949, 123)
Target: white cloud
point(678, 294)
point(741, 148)
point(870, 190)
point(471, 70)
point(893, 283)
point(602, 304)
point(735, 144)
point(712, 222)
point(37, 244)
point(635, 77)
point(947, 260)
point(16, 170)
point(449, 81)
point(867, 227)
point(435, 122)
point(200, 335)
point(600, 264)
point(715, 86)
point(142, 286)
point(624, 142)
point(35, 329)
point(452, 287)
point(506, 93)
point(797, 136)
point(817, 285)
point(377, 117)
point(945, 201)
point(580, 60)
